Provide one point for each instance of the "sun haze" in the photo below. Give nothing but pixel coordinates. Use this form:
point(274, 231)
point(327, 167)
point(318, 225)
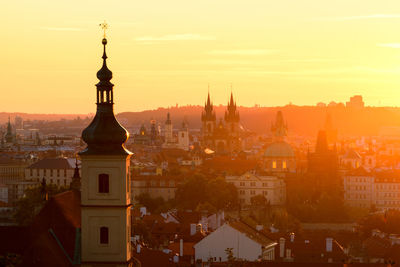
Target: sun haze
point(167, 52)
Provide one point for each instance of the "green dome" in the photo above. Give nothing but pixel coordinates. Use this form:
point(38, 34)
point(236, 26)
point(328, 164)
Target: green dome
point(279, 150)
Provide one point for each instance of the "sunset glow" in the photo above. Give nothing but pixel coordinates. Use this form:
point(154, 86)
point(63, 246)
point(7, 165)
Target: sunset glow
point(167, 52)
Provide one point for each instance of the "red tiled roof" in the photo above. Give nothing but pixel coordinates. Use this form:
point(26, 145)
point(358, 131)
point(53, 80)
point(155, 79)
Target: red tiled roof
point(152, 258)
point(188, 249)
point(62, 216)
point(360, 171)
point(52, 163)
point(298, 264)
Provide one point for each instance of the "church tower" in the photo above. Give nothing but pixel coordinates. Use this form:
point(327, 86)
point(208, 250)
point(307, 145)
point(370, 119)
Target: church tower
point(9, 137)
point(168, 130)
point(183, 137)
point(232, 120)
point(105, 183)
point(279, 128)
point(232, 117)
point(208, 119)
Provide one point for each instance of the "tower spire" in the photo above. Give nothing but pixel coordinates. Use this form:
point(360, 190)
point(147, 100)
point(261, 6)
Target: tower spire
point(105, 135)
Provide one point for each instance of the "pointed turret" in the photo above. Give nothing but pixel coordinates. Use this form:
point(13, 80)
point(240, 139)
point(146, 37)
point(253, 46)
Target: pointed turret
point(105, 135)
point(322, 143)
point(168, 121)
point(76, 179)
point(279, 128)
point(231, 113)
point(331, 132)
point(208, 113)
point(9, 136)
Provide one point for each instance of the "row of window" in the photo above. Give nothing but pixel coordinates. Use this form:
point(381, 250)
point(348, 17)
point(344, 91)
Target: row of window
point(49, 171)
point(253, 184)
point(252, 192)
point(283, 165)
point(364, 196)
point(378, 187)
point(57, 181)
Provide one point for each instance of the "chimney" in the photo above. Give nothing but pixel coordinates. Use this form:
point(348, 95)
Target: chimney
point(176, 258)
point(329, 241)
point(181, 247)
point(193, 228)
point(281, 247)
point(138, 248)
point(292, 237)
point(143, 211)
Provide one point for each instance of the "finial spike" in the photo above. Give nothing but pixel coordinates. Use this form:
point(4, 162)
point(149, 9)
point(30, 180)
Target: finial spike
point(104, 26)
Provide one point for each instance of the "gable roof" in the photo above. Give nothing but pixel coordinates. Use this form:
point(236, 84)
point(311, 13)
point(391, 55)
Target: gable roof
point(54, 234)
point(252, 233)
point(52, 163)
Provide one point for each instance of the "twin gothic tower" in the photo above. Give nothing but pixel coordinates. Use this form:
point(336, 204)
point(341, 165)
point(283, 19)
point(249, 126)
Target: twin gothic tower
point(221, 137)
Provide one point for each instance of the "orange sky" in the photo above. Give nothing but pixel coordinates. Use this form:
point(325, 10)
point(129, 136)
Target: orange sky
point(166, 52)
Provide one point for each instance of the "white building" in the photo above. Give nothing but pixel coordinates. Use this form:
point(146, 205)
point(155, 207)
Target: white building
point(246, 242)
point(379, 189)
point(57, 171)
point(359, 188)
point(250, 185)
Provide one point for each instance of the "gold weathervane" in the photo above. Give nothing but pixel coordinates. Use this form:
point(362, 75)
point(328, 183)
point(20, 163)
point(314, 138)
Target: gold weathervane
point(104, 26)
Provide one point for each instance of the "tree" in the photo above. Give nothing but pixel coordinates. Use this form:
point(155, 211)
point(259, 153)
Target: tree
point(33, 200)
point(387, 222)
point(222, 195)
point(192, 192)
point(152, 204)
point(229, 254)
point(259, 200)
point(198, 190)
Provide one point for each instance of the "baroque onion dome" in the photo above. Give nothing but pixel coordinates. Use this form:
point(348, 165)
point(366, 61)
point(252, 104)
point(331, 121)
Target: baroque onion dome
point(208, 113)
point(231, 114)
point(104, 135)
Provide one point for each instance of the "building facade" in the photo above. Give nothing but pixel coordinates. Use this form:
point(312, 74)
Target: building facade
point(380, 190)
point(58, 171)
point(163, 186)
point(279, 156)
point(250, 185)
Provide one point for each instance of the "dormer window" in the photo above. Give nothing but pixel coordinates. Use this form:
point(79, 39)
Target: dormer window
point(103, 235)
point(104, 183)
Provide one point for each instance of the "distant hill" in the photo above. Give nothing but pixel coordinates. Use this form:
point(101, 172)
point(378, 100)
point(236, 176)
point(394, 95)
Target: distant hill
point(303, 120)
point(46, 117)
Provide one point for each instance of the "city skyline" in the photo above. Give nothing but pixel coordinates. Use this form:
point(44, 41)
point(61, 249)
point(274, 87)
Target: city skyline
point(167, 54)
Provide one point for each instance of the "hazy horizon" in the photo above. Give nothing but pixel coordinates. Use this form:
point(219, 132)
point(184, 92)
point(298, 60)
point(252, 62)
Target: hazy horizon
point(168, 52)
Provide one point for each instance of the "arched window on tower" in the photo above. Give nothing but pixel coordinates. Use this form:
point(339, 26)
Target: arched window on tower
point(209, 128)
point(103, 235)
point(104, 183)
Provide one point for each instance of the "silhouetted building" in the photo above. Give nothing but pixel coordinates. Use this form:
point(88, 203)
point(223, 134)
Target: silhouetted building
point(355, 102)
point(279, 156)
point(105, 190)
point(323, 166)
point(221, 138)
